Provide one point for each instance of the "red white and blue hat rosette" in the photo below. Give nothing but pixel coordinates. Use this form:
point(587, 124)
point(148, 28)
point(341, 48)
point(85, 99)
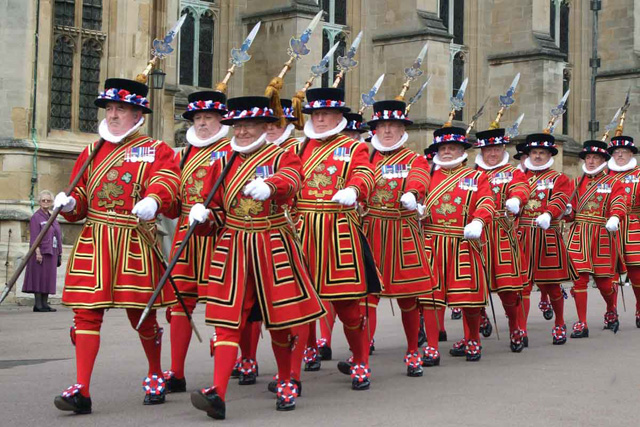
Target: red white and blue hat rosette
point(248, 108)
point(126, 92)
point(206, 100)
point(622, 142)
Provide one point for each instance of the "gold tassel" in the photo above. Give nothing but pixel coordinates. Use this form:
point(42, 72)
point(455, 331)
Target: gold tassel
point(296, 103)
point(273, 93)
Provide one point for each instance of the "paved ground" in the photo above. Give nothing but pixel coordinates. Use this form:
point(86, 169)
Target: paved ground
point(594, 381)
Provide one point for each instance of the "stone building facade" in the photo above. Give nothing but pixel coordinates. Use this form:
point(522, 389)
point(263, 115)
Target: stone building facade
point(60, 52)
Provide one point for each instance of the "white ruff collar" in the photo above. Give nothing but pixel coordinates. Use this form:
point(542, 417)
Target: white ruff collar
point(450, 164)
point(311, 134)
point(519, 167)
point(251, 147)
point(103, 130)
point(614, 167)
point(594, 171)
point(379, 147)
point(480, 162)
point(285, 135)
point(197, 142)
point(529, 165)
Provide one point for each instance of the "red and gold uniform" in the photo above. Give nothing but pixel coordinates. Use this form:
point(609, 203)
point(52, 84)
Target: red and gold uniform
point(256, 263)
point(457, 196)
point(191, 273)
point(393, 231)
point(113, 263)
point(629, 176)
point(503, 252)
point(546, 260)
point(592, 248)
point(336, 251)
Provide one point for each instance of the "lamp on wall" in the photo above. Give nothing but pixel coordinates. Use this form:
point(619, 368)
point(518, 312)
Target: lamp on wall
point(157, 79)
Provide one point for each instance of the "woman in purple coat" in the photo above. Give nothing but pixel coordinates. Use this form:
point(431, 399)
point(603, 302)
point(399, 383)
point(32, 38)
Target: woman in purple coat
point(40, 277)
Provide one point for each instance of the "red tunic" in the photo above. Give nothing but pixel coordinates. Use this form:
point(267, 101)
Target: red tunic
point(503, 252)
point(630, 226)
point(392, 231)
point(190, 272)
point(332, 241)
point(256, 245)
point(289, 142)
point(591, 247)
point(545, 256)
point(111, 265)
point(456, 197)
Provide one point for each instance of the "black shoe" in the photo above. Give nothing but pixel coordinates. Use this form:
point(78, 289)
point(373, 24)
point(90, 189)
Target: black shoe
point(516, 341)
point(49, 308)
point(235, 373)
point(313, 366)
point(39, 310)
point(73, 401)
point(208, 400)
point(286, 399)
point(486, 328)
point(155, 390)
point(525, 341)
point(325, 352)
point(637, 321)
point(430, 357)
point(361, 385)
point(559, 335)
point(345, 367)
point(247, 379)
point(458, 349)
point(456, 314)
point(442, 336)
point(173, 384)
point(473, 351)
point(360, 377)
point(611, 321)
point(580, 330)
point(548, 314)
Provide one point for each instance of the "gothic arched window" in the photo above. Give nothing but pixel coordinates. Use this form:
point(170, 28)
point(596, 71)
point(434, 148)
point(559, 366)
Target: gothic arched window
point(61, 83)
point(89, 85)
point(458, 78)
point(197, 39)
point(75, 66)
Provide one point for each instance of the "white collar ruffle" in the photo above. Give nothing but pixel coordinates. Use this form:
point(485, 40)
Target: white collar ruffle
point(480, 162)
point(529, 165)
point(285, 135)
point(311, 134)
point(594, 171)
point(193, 139)
point(254, 146)
point(451, 163)
point(614, 166)
point(103, 130)
point(519, 167)
point(379, 147)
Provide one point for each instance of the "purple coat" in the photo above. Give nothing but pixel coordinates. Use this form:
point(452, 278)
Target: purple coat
point(41, 278)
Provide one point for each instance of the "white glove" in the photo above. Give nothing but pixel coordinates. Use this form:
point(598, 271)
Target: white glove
point(145, 209)
point(198, 213)
point(64, 202)
point(544, 221)
point(473, 230)
point(409, 201)
point(568, 210)
point(613, 224)
point(421, 209)
point(257, 189)
point(513, 205)
point(346, 197)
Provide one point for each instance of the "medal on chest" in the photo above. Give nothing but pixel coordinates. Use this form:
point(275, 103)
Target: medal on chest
point(140, 154)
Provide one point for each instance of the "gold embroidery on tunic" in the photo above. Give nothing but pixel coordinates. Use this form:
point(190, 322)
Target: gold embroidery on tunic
point(532, 205)
point(110, 190)
point(248, 207)
point(318, 181)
